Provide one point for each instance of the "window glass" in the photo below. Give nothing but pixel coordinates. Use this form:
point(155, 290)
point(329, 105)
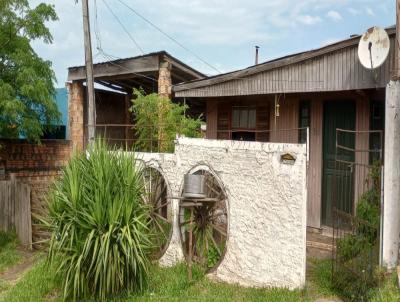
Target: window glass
point(252, 118)
point(235, 118)
point(244, 117)
point(244, 113)
point(304, 121)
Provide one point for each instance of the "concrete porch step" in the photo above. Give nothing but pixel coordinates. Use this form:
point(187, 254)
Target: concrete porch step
point(319, 243)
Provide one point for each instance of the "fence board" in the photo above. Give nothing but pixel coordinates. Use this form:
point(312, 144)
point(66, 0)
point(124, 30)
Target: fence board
point(15, 210)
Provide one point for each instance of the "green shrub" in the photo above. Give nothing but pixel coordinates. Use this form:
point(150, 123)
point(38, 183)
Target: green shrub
point(358, 252)
point(158, 120)
point(99, 224)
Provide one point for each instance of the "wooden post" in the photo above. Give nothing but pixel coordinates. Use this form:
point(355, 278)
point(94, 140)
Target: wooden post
point(190, 245)
point(89, 72)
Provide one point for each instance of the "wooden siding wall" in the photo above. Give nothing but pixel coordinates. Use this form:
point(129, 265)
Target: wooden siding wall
point(315, 164)
point(362, 143)
point(284, 130)
point(335, 71)
point(15, 210)
point(212, 119)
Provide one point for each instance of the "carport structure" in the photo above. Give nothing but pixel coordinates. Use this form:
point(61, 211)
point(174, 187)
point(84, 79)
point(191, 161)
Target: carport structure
point(154, 73)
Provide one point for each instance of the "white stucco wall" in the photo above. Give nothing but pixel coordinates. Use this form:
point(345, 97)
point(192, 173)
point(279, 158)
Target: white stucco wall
point(267, 201)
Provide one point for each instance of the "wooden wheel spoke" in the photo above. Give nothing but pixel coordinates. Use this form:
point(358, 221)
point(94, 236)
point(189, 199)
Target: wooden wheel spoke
point(161, 217)
point(215, 244)
point(218, 229)
point(217, 215)
point(161, 206)
point(184, 223)
point(161, 228)
point(161, 192)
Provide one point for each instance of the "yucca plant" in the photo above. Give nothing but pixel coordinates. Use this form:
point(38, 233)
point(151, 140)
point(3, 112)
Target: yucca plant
point(100, 225)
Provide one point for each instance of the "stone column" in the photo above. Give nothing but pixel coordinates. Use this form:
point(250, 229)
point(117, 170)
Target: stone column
point(164, 90)
point(76, 99)
point(164, 79)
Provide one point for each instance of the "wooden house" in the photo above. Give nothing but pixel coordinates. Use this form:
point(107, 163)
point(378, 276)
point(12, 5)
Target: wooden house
point(324, 89)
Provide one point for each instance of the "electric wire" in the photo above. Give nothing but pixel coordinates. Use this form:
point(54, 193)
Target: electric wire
point(111, 60)
point(123, 27)
point(168, 36)
point(96, 27)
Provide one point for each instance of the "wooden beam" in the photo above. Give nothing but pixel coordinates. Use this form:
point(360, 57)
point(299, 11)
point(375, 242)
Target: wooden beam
point(116, 68)
point(191, 73)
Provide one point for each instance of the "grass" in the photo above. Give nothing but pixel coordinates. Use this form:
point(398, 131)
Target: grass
point(9, 256)
point(34, 285)
point(320, 280)
point(388, 292)
point(170, 284)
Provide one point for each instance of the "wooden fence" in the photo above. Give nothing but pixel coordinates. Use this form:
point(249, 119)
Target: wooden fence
point(15, 210)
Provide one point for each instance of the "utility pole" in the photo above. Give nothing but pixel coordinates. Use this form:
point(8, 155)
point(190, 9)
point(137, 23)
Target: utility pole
point(91, 105)
point(391, 200)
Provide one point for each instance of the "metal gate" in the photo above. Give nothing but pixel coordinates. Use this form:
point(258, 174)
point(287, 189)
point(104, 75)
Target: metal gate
point(357, 196)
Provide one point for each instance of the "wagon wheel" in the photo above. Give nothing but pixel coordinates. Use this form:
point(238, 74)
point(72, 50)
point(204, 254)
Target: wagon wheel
point(156, 195)
point(209, 225)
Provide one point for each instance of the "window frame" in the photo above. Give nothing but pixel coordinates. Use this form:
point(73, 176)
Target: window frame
point(249, 123)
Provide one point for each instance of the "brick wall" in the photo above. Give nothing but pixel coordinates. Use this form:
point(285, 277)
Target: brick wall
point(36, 165)
point(164, 80)
point(76, 99)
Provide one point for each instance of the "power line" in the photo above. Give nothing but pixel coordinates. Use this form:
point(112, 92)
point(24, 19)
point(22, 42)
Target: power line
point(123, 27)
point(111, 60)
point(96, 27)
point(167, 35)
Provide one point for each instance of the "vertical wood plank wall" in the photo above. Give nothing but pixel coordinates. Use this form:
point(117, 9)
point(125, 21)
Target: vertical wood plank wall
point(315, 164)
point(212, 119)
point(15, 210)
point(288, 120)
point(362, 143)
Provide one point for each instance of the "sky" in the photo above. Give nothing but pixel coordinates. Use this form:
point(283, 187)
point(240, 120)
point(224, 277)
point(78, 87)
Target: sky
point(222, 33)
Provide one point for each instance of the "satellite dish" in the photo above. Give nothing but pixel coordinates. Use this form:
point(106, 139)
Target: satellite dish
point(373, 48)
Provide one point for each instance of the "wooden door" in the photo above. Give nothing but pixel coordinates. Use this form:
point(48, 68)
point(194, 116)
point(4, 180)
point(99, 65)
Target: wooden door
point(338, 180)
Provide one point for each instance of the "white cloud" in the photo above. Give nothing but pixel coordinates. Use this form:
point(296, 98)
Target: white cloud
point(219, 31)
point(334, 16)
point(353, 11)
point(369, 12)
point(308, 19)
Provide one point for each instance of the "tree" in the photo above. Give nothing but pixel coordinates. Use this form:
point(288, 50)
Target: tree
point(27, 105)
point(158, 120)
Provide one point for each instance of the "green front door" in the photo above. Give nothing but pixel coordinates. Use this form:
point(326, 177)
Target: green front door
point(338, 180)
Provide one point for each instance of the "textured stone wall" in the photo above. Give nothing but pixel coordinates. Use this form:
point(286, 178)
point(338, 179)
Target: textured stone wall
point(266, 207)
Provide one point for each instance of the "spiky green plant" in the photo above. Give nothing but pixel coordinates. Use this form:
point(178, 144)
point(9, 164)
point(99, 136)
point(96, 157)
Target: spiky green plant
point(100, 225)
